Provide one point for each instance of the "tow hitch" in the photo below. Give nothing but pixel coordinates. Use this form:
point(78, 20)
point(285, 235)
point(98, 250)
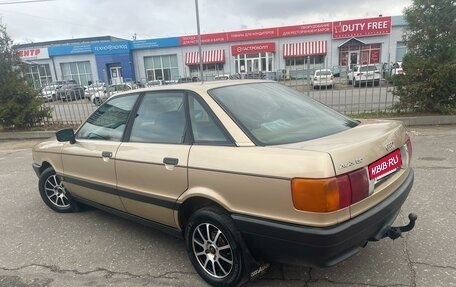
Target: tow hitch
point(395, 232)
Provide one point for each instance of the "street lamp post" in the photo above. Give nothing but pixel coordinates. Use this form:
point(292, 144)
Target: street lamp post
point(199, 42)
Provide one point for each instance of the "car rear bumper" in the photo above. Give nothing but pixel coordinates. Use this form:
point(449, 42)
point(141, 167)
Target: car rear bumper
point(297, 244)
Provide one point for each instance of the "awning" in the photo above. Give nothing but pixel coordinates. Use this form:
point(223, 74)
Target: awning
point(305, 49)
point(209, 57)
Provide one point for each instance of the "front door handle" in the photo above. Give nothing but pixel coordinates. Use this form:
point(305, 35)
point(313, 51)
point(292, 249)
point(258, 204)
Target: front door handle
point(170, 160)
point(106, 154)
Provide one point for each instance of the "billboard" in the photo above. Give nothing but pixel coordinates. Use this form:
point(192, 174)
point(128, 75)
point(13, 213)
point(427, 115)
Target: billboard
point(33, 54)
point(361, 27)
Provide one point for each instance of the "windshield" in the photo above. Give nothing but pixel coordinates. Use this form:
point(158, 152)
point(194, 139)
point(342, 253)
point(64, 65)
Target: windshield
point(271, 114)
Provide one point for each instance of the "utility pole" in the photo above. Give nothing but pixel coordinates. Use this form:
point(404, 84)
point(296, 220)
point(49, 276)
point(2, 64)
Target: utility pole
point(199, 42)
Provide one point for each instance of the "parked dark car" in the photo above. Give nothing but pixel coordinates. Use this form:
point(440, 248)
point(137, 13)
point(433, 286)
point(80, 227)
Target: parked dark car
point(70, 92)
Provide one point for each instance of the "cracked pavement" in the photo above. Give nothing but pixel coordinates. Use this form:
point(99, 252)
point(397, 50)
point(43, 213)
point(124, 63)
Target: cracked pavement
point(40, 247)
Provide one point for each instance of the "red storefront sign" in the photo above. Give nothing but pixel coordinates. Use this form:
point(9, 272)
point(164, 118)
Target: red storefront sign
point(308, 29)
point(252, 48)
point(361, 27)
point(256, 34)
point(33, 53)
point(205, 39)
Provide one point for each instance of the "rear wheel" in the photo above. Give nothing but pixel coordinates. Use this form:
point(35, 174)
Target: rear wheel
point(213, 245)
point(54, 194)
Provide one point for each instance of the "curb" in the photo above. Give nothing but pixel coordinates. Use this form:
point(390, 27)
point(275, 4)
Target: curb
point(408, 121)
point(26, 135)
point(427, 120)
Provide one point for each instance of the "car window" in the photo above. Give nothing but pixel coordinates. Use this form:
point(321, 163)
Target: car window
point(108, 122)
point(323, 73)
point(368, 68)
point(271, 113)
point(160, 119)
point(205, 128)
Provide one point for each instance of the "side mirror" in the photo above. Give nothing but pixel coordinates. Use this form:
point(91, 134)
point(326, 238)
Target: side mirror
point(65, 135)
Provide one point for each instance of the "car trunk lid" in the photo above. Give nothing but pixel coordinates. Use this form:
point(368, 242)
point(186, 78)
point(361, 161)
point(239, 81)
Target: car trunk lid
point(379, 148)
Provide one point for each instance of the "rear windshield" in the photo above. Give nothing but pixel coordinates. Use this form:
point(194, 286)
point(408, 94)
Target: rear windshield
point(323, 73)
point(367, 68)
point(271, 114)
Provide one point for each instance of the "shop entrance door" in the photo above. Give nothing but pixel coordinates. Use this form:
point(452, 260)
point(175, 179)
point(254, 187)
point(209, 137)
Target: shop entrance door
point(253, 65)
point(354, 59)
point(116, 75)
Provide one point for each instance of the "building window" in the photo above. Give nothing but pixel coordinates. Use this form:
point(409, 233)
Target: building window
point(401, 50)
point(78, 71)
point(38, 75)
point(215, 69)
point(301, 62)
point(161, 68)
point(359, 55)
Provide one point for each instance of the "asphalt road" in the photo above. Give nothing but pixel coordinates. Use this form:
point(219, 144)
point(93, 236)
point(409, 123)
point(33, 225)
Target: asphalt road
point(40, 247)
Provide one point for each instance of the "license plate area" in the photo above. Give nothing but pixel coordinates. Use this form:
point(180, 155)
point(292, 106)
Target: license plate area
point(385, 166)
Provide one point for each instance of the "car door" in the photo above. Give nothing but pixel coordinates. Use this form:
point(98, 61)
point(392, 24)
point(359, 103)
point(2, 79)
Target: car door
point(152, 165)
point(89, 163)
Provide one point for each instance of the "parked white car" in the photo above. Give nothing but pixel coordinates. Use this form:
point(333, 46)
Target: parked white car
point(94, 88)
point(364, 74)
point(323, 78)
point(396, 69)
point(99, 97)
point(49, 92)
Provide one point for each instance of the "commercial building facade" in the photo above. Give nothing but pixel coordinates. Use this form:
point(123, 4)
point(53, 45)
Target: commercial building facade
point(278, 52)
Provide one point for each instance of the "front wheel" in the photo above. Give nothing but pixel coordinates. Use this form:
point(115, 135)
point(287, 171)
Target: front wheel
point(54, 194)
point(214, 248)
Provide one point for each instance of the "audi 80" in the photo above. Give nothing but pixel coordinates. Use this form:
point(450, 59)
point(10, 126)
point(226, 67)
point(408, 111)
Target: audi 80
point(245, 171)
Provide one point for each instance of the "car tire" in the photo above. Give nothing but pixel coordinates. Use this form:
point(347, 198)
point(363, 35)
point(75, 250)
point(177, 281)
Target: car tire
point(54, 194)
point(213, 246)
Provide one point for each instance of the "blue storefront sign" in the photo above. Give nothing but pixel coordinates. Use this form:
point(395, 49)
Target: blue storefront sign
point(110, 48)
point(155, 43)
point(104, 48)
point(113, 47)
point(70, 50)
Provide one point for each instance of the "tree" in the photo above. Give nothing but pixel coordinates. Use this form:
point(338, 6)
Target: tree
point(429, 83)
point(20, 106)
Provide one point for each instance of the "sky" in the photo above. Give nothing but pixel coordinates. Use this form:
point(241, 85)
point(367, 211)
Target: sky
point(30, 21)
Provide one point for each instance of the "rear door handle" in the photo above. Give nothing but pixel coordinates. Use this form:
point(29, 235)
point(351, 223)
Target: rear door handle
point(107, 154)
point(170, 160)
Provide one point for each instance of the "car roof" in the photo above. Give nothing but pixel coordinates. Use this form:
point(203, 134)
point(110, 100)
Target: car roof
point(197, 87)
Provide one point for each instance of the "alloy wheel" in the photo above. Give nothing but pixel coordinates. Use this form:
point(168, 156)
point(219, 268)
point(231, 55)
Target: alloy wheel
point(212, 250)
point(55, 192)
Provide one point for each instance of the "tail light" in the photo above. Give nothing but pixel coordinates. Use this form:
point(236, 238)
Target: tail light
point(330, 194)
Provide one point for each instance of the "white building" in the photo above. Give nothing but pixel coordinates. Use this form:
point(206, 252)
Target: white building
point(277, 52)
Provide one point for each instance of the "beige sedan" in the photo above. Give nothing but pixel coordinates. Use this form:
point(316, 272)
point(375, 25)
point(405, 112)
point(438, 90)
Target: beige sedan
point(246, 171)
